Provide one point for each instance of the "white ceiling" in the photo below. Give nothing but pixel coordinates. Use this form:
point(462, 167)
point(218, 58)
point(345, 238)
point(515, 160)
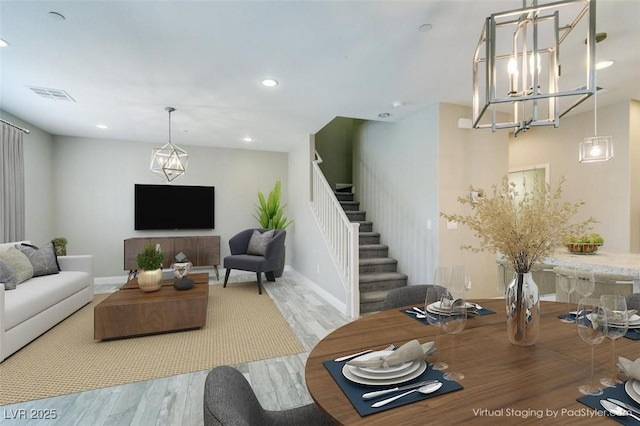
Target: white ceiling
point(124, 61)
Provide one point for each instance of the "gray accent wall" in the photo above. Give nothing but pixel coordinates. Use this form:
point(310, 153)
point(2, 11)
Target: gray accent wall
point(334, 143)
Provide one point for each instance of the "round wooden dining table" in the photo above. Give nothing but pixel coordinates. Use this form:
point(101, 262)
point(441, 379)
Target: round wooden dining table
point(503, 383)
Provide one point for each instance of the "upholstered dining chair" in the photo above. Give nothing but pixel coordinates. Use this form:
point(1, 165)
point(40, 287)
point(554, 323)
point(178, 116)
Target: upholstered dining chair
point(259, 251)
point(633, 301)
point(409, 295)
point(230, 401)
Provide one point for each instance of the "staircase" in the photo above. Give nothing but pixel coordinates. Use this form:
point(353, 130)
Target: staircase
point(378, 272)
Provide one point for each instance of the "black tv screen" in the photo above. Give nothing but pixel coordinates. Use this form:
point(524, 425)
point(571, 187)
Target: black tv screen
point(174, 207)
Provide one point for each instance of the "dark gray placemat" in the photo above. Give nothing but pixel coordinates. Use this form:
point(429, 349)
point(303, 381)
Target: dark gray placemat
point(617, 393)
point(354, 391)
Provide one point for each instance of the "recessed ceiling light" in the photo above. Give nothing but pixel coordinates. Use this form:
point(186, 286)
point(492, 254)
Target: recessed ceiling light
point(269, 82)
point(424, 28)
point(603, 64)
point(397, 104)
point(101, 126)
point(4, 43)
point(384, 115)
point(247, 139)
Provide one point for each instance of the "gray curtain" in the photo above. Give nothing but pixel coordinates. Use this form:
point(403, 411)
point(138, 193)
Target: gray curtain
point(11, 184)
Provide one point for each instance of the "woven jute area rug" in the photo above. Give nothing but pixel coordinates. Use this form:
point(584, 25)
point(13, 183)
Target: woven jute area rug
point(242, 326)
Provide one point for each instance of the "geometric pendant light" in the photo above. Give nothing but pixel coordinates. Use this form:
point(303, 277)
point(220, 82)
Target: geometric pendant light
point(170, 161)
point(595, 148)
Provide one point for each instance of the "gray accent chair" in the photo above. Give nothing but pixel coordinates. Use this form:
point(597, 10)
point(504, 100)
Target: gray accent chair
point(409, 295)
point(230, 401)
point(633, 301)
point(272, 263)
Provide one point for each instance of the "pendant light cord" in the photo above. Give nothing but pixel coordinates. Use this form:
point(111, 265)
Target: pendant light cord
point(595, 105)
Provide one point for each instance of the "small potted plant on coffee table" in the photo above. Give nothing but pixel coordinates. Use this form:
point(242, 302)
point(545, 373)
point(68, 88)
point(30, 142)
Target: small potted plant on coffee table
point(150, 264)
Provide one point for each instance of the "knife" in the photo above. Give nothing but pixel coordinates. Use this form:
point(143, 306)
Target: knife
point(624, 405)
point(374, 394)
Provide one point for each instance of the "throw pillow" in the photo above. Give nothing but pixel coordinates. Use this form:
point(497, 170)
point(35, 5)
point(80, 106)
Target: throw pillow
point(7, 276)
point(43, 259)
point(258, 242)
point(19, 262)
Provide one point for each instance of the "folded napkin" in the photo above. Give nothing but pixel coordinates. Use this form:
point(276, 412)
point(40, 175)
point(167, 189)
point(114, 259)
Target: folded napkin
point(630, 368)
point(410, 351)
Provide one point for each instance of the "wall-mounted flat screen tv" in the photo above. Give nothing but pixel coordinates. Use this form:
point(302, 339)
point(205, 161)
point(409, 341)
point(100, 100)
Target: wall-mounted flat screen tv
point(174, 207)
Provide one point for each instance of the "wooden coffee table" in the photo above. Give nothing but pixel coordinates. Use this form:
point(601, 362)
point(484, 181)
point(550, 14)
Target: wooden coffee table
point(132, 312)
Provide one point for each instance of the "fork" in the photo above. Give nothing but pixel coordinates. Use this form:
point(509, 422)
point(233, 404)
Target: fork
point(346, 357)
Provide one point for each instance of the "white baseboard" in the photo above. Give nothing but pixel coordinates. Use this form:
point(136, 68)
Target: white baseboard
point(328, 297)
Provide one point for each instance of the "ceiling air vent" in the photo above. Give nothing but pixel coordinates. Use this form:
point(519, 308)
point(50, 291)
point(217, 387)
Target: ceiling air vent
point(55, 94)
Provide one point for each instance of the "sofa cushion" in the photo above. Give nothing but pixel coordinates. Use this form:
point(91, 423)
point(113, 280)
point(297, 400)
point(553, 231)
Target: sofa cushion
point(19, 262)
point(258, 242)
point(43, 260)
point(7, 276)
point(40, 293)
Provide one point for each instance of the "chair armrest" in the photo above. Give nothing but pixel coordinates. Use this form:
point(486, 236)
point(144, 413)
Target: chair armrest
point(275, 247)
point(238, 243)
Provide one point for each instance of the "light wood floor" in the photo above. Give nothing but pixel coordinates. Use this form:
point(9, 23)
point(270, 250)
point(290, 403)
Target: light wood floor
point(177, 400)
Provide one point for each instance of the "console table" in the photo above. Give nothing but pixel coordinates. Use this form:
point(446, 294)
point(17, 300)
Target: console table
point(200, 251)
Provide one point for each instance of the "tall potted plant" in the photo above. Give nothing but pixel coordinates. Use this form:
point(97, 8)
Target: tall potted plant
point(270, 215)
point(150, 264)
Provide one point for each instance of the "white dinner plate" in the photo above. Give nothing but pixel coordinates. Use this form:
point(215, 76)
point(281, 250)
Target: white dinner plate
point(635, 385)
point(361, 380)
point(376, 354)
point(437, 306)
point(381, 374)
point(629, 388)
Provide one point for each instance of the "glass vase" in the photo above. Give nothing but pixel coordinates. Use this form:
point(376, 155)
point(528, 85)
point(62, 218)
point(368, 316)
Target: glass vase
point(523, 310)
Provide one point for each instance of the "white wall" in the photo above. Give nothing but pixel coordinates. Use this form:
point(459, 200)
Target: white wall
point(310, 256)
point(92, 203)
point(40, 190)
point(467, 157)
point(396, 182)
point(606, 187)
point(634, 178)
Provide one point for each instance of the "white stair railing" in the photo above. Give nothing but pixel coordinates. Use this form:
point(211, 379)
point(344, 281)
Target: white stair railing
point(340, 235)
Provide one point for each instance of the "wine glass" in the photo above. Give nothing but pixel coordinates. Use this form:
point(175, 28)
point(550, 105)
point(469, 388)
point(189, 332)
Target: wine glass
point(442, 276)
point(591, 321)
point(453, 323)
point(585, 283)
point(459, 281)
point(617, 325)
point(434, 317)
point(566, 281)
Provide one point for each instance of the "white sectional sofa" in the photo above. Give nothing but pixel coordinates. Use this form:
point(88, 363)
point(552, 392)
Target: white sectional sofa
point(39, 303)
